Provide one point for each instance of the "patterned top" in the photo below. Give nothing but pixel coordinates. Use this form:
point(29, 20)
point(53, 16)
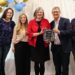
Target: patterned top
point(6, 32)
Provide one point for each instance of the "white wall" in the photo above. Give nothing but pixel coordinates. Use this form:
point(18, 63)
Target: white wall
point(67, 8)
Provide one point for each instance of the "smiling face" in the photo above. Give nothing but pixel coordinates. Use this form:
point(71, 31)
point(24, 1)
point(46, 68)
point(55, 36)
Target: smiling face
point(39, 14)
point(22, 22)
point(56, 12)
point(9, 14)
point(23, 19)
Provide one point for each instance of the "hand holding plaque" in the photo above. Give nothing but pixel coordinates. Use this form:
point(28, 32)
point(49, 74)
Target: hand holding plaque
point(49, 35)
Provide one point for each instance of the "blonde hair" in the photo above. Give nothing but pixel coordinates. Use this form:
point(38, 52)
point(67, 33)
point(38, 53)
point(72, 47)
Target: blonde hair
point(19, 25)
point(37, 9)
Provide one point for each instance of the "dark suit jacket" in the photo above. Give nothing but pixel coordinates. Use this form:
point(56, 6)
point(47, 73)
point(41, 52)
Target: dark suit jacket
point(65, 34)
point(73, 29)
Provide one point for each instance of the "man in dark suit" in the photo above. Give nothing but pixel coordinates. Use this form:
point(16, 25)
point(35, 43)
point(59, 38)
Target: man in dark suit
point(61, 46)
point(73, 37)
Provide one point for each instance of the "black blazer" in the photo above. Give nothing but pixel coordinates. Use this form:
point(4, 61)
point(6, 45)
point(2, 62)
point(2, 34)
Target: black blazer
point(73, 29)
point(65, 34)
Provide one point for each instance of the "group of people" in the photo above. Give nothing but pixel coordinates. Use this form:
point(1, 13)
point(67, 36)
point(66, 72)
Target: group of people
point(29, 44)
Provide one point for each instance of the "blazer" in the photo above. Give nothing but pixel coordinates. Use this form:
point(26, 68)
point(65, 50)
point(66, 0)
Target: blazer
point(73, 29)
point(33, 28)
point(65, 34)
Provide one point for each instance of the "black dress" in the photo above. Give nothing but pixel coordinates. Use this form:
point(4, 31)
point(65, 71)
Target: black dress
point(40, 53)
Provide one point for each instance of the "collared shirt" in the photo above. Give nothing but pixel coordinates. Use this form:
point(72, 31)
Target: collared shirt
point(57, 40)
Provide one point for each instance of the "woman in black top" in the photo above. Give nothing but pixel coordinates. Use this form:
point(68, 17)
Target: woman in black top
point(39, 47)
point(6, 31)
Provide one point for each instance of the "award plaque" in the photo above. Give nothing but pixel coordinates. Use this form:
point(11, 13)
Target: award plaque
point(49, 35)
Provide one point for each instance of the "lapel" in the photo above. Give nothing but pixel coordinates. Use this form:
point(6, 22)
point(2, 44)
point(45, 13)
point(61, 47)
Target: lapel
point(60, 23)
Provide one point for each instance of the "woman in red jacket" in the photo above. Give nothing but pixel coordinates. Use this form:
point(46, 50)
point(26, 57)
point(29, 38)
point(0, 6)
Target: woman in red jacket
point(39, 47)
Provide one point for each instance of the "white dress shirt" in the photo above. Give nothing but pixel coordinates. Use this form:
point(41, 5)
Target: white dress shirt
point(57, 40)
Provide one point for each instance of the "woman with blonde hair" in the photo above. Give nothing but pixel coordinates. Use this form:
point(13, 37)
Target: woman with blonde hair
point(21, 47)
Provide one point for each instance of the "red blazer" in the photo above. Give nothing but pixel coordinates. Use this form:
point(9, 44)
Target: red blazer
point(33, 28)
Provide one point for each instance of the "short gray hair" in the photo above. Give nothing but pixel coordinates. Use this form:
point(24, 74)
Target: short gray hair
point(37, 9)
point(56, 7)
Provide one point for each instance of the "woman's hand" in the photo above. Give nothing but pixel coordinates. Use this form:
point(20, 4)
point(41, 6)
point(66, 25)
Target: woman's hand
point(36, 34)
point(17, 40)
point(47, 41)
point(39, 33)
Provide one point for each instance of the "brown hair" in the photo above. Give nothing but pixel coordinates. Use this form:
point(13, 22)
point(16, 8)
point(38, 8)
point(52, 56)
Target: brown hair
point(5, 13)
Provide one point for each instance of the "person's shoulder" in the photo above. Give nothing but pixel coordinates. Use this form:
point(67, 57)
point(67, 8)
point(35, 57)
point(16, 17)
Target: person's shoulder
point(44, 19)
point(32, 20)
point(52, 22)
point(12, 24)
point(73, 20)
point(65, 19)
